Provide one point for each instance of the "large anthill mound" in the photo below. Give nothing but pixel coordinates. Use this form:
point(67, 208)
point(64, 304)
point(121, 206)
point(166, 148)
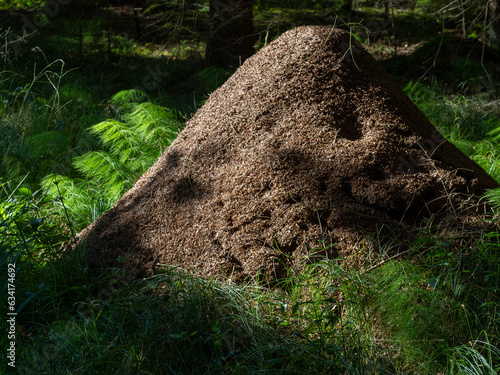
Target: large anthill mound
point(310, 140)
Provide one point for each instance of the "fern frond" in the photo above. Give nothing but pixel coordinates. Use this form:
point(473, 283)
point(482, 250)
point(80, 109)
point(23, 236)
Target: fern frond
point(154, 123)
point(127, 96)
point(493, 196)
point(105, 169)
point(118, 137)
point(129, 149)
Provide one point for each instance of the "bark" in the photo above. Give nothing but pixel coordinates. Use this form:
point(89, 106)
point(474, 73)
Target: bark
point(137, 21)
point(494, 23)
point(347, 6)
point(231, 38)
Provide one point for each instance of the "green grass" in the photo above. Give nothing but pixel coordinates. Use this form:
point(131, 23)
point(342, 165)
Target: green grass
point(471, 122)
point(8, 4)
point(44, 122)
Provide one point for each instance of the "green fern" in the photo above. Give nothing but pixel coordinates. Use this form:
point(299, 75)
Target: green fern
point(493, 197)
point(106, 170)
point(147, 128)
point(154, 122)
point(49, 143)
point(127, 97)
point(129, 148)
point(118, 137)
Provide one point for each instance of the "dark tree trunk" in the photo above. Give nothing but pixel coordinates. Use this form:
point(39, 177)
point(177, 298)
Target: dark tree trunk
point(494, 22)
point(231, 38)
point(137, 21)
point(347, 6)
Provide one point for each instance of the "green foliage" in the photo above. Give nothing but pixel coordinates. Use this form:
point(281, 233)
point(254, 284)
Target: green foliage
point(406, 302)
point(437, 312)
point(323, 312)
point(49, 143)
point(30, 241)
point(128, 98)
point(211, 78)
point(43, 124)
point(188, 324)
point(25, 233)
point(442, 307)
point(475, 358)
point(471, 275)
point(129, 149)
point(15, 4)
point(439, 316)
point(472, 124)
point(430, 5)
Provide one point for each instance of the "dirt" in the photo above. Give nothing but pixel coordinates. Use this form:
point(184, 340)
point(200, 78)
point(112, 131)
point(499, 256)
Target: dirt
point(306, 151)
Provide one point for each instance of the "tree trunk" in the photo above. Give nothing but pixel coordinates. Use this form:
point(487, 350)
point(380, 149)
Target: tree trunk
point(494, 23)
point(231, 38)
point(347, 6)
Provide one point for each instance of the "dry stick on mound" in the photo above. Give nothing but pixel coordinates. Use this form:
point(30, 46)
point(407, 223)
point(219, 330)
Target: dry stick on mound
point(310, 143)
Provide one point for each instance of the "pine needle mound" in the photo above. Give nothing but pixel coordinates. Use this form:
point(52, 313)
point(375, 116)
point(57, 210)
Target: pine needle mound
point(310, 142)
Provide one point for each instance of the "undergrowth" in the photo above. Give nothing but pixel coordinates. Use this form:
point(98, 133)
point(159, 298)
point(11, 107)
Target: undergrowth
point(130, 145)
point(44, 122)
point(472, 123)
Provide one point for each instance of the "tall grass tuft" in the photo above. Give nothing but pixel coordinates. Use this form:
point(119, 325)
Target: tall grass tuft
point(43, 122)
point(475, 358)
point(31, 242)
